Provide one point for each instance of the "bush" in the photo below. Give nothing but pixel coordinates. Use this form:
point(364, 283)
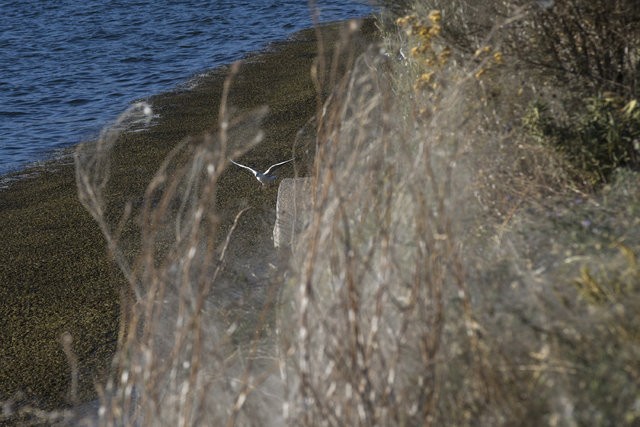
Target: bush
point(550, 298)
point(586, 42)
point(408, 300)
point(601, 138)
point(592, 45)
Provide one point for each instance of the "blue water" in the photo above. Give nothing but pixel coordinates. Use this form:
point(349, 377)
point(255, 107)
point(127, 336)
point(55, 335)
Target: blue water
point(68, 67)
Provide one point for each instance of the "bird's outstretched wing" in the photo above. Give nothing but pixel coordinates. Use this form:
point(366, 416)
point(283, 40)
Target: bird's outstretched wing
point(268, 171)
point(253, 171)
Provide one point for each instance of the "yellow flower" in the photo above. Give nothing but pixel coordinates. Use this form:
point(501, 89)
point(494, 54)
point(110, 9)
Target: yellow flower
point(435, 30)
point(498, 57)
point(423, 80)
point(426, 77)
point(482, 50)
point(404, 20)
point(479, 73)
point(444, 56)
point(435, 16)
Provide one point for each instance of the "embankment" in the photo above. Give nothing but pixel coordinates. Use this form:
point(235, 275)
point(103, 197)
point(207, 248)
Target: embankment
point(56, 275)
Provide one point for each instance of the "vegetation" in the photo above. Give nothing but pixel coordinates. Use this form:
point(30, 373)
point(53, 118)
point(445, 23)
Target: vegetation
point(471, 257)
point(472, 252)
point(597, 141)
point(60, 278)
point(448, 276)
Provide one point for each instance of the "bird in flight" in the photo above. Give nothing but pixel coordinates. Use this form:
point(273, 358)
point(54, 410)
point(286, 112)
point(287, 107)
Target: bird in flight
point(266, 177)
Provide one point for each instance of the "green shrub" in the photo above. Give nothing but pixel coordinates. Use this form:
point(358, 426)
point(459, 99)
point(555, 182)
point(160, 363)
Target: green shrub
point(603, 136)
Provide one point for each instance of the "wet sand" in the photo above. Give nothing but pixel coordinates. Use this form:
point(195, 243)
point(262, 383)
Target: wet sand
point(56, 275)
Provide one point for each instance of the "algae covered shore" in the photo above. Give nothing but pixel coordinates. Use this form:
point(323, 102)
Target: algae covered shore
point(56, 275)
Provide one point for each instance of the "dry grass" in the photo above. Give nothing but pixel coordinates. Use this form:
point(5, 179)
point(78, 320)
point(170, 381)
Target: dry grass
point(178, 361)
point(445, 278)
point(448, 275)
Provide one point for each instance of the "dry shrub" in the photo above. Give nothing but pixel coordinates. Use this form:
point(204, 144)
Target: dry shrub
point(585, 43)
point(436, 283)
point(593, 42)
point(378, 322)
point(178, 359)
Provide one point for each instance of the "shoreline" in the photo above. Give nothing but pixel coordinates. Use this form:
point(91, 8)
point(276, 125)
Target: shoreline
point(57, 156)
point(59, 277)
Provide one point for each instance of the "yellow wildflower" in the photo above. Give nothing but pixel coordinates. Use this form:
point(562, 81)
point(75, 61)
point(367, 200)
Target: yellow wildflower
point(479, 73)
point(444, 56)
point(498, 57)
point(405, 20)
point(482, 50)
point(423, 31)
point(425, 78)
point(435, 30)
point(435, 16)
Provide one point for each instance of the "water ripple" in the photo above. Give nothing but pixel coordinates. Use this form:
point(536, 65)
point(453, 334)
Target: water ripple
point(70, 67)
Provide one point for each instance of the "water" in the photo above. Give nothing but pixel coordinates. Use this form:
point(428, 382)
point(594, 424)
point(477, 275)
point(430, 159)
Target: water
point(69, 67)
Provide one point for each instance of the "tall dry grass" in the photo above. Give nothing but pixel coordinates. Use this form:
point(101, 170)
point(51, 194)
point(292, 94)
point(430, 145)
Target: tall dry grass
point(178, 362)
point(378, 320)
point(445, 276)
point(453, 273)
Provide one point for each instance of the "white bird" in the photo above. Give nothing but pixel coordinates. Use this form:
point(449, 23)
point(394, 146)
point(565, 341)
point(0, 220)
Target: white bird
point(265, 177)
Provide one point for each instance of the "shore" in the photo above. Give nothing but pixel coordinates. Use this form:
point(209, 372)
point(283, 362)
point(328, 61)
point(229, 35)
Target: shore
point(57, 277)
